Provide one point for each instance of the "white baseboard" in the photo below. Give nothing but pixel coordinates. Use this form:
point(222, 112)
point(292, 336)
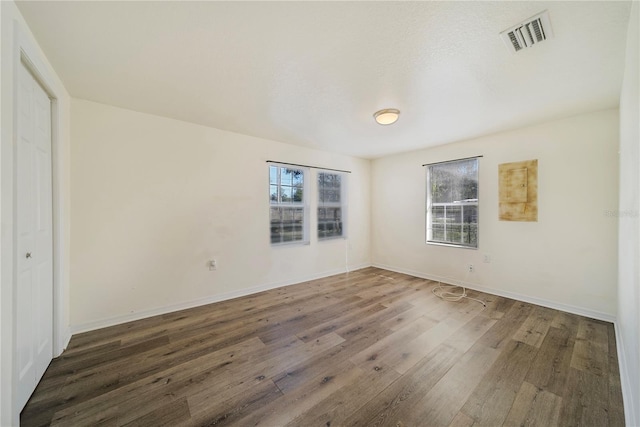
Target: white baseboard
point(143, 314)
point(357, 267)
point(116, 320)
point(513, 295)
point(63, 341)
point(630, 415)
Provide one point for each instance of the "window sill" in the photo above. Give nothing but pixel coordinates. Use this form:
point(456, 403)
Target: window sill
point(451, 245)
point(331, 239)
point(287, 244)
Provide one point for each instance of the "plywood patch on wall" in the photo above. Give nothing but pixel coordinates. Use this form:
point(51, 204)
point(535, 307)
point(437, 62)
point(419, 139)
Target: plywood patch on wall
point(518, 191)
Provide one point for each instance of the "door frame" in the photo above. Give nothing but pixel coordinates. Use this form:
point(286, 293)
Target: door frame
point(26, 51)
point(31, 67)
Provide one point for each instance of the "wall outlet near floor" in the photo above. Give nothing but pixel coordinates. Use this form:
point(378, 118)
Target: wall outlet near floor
point(487, 258)
point(213, 264)
point(470, 268)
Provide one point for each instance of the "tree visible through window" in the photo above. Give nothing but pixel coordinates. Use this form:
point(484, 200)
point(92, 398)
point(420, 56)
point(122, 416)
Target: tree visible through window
point(330, 206)
point(288, 212)
point(452, 203)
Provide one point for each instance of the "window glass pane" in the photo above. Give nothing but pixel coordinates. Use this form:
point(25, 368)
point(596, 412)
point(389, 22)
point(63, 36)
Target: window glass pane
point(335, 214)
point(290, 226)
point(470, 214)
point(297, 194)
point(452, 203)
point(275, 214)
point(286, 176)
point(470, 226)
point(454, 181)
point(453, 224)
point(286, 186)
point(438, 223)
point(329, 205)
point(286, 194)
point(276, 225)
point(330, 225)
point(297, 223)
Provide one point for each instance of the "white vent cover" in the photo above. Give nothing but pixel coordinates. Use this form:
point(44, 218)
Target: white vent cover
point(528, 33)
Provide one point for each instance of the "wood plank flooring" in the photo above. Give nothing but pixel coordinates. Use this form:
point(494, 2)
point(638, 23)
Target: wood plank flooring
point(367, 348)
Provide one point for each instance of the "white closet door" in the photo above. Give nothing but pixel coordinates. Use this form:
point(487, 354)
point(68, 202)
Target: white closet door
point(34, 326)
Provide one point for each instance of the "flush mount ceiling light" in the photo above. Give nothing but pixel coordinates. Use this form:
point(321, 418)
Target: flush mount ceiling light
point(387, 116)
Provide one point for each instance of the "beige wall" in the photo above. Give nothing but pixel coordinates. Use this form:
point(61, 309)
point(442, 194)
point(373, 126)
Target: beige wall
point(628, 326)
point(568, 259)
point(154, 199)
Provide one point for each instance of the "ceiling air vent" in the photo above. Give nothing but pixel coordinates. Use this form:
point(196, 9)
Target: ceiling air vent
point(528, 33)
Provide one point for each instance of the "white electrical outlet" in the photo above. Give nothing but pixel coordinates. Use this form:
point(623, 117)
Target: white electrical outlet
point(470, 268)
point(487, 258)
point(213, 264)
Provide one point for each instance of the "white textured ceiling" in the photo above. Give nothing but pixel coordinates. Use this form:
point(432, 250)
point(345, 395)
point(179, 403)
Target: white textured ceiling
point(313, 73)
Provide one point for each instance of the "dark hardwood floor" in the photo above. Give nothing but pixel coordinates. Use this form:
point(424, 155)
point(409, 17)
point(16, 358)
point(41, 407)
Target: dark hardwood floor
point(368, 348)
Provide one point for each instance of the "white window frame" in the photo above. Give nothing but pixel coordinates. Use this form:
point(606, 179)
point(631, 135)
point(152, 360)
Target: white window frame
point(458, 204)
point(304, 204)
point(342, 204)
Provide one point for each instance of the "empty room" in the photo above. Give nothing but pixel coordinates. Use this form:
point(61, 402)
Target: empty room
point(320, 213)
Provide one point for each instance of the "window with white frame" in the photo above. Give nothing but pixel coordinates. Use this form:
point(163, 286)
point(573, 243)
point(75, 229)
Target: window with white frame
point(331, 205)
point(452, 203)
point(289, 213)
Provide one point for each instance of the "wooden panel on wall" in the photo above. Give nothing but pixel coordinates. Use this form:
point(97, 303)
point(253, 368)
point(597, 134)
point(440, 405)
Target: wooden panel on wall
point(518, 191)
